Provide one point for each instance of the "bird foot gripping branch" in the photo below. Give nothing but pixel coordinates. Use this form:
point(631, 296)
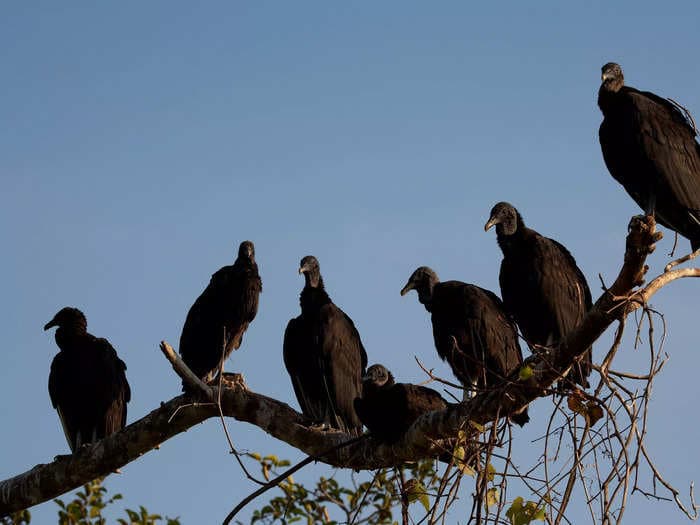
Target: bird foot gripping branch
point(641, 241)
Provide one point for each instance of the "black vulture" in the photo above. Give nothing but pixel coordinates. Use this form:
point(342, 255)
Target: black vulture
point(324, 355)
point(87, 383)
point(472, 331)
point(541, 285)
point(388, 409)
point(649, 147)
point(218, 318)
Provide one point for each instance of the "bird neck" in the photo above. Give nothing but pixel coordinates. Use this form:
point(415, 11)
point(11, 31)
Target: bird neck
point(509, 238)
point(67, 335)
point(607, 94)
point(244, 263)
point(425, 295)
point(313, 297)
point(313, 279)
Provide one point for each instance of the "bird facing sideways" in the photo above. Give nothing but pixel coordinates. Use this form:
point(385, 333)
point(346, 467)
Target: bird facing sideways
point(542, 287)
point(324, 355)
point(87, 382)
point(388, 409)
point(649, 147)
point(217, 320)
point(471, 331)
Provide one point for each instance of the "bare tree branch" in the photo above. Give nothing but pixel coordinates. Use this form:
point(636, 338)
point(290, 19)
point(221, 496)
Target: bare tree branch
point(423, 439)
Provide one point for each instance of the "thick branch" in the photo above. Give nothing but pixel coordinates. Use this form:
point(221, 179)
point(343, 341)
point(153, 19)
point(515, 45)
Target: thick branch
point(279, 420)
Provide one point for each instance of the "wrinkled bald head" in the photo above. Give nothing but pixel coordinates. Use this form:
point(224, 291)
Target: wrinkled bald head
point(68, 317)
point(246, 250)
point(377, 376)
point(311, 269)
point(422, 281)
point(505, 217)
point(612, 77)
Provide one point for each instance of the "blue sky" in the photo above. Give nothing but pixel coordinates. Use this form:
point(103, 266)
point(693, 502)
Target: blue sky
point(141, 142)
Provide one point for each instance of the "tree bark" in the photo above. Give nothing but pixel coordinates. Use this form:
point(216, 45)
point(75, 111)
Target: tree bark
point(423, 439)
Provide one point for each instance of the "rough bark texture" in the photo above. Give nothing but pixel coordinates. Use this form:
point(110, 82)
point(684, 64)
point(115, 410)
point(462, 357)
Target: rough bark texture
point(423, 439)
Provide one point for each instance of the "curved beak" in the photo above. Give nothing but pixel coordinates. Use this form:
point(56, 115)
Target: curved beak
point(490, 223)
point(50, 324)
point(409, 286)
point(302, 269)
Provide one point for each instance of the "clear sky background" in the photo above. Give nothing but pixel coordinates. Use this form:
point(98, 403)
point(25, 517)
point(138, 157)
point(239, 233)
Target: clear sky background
point(142, 141)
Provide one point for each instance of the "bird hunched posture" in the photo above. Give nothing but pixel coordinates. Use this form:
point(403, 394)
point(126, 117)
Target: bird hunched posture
point(87, 383)
point(221, 314)
point(649, 147)
point(472, 331)
point(541, 285)
point(388, 409)
point(324, 355)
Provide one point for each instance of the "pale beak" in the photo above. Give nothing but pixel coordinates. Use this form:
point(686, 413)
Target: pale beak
point(490, 223)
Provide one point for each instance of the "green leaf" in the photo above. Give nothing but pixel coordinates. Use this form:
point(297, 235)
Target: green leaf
point(525, 373)
point(523, 513)
point(415, 491)
point(477, 426)
point(425, 501)
point(490, 472)
point(492, 496)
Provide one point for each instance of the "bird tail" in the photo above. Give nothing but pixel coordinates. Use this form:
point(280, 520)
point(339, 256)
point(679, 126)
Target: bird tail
point(520, 418)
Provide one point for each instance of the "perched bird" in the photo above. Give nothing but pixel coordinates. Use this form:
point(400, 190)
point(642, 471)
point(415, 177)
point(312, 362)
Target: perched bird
point(388, 409)
point(87, 383)
point(218, 318)
point(472, 331)
point(541, 285)
point(649, 147)
point(324, 355)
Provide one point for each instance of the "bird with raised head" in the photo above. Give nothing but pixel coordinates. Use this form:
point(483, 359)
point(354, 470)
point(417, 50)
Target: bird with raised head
point(324, 355)
point(217, 320)
point(649, 146)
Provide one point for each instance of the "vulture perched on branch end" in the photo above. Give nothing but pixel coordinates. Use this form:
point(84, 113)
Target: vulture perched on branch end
point(221, 314)
point(649, 147)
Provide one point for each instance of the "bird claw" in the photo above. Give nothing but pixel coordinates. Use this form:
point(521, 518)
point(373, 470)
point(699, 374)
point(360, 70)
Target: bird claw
point(319, 426)
point(234, 379)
